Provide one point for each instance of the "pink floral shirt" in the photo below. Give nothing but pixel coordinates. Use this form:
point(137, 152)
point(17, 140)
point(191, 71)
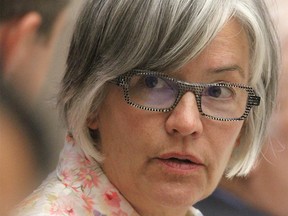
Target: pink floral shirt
point(78, 187)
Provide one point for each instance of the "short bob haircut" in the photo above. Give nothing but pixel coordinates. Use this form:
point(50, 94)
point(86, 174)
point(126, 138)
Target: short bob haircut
point(113, 37)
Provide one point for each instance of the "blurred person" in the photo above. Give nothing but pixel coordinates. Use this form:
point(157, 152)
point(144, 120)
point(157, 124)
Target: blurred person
point(265, 190)
point(160, 98)
point(28, 32)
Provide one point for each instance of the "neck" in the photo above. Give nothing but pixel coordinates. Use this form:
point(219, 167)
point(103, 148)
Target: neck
point(146, 207)
point(164, 211)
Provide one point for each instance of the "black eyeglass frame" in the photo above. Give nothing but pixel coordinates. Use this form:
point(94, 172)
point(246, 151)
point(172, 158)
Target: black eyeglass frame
point(183, 87)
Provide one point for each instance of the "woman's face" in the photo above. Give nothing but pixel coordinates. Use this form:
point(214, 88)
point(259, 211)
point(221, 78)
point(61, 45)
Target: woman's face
point(169, 161)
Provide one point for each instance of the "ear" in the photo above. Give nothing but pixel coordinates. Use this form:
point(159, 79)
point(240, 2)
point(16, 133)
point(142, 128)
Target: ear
point(238, 140)
point(16, 39)
point(92, 123)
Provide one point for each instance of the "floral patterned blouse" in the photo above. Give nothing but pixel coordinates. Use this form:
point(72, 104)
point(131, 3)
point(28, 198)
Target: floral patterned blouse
point(78, 187)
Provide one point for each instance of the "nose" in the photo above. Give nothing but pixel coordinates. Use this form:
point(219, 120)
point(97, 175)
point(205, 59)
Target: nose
point(185, 119)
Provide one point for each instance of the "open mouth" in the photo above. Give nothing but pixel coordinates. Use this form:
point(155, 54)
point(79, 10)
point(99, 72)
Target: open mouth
point(179, 161)
point(179, 164)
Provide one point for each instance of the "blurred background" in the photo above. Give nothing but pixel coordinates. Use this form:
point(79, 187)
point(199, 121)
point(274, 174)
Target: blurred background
point(47, 100)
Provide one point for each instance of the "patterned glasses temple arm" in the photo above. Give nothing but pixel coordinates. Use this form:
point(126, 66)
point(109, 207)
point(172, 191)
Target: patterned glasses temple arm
point(254, 100)
point(117, 81)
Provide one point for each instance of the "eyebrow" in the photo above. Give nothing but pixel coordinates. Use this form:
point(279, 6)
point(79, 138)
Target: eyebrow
point(227, 69)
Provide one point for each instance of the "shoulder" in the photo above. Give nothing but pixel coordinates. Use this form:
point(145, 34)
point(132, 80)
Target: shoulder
point(54, 197)
point(46, 200)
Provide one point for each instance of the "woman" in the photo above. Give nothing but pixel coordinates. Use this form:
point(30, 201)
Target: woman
point(160, 97)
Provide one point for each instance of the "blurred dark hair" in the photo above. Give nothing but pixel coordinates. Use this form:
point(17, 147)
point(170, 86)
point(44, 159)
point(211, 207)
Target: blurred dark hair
point(48, 9)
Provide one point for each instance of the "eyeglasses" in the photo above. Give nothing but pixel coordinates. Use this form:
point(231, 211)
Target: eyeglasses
point(155, 91)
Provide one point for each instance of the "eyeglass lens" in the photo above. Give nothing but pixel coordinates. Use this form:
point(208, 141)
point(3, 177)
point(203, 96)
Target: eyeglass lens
point(153, 91)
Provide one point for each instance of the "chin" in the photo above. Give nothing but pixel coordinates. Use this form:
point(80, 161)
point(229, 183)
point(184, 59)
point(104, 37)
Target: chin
point(176, 197)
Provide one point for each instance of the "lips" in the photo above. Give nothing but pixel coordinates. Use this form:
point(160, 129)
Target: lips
point(180, 162)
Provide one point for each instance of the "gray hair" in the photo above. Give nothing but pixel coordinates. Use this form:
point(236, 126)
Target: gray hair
point(113, 37)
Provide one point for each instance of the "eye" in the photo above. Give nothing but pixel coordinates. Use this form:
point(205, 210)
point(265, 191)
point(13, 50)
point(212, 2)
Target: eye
point(218, 92)
point(152, 91)
point(151, 81)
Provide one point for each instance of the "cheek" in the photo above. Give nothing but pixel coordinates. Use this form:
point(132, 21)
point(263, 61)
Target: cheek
point(125, 144)
point(116, 126)
point(223, 139)
point(121, 127)
point(122, 123)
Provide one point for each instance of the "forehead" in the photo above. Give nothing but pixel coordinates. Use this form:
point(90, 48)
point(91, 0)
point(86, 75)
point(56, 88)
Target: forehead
point(228, 51)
